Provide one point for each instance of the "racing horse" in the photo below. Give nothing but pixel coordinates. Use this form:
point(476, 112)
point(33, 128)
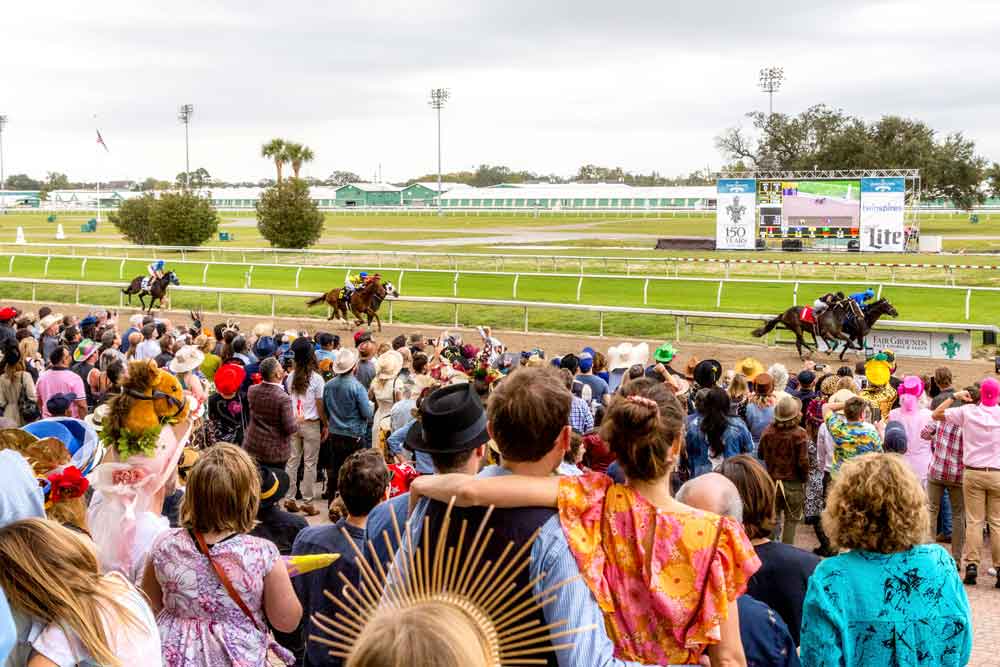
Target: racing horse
point(857, 328)
point(156, 289)
point(364, 301)
point(799, 319)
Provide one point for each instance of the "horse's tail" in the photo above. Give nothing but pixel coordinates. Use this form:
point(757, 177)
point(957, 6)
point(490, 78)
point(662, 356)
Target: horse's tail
point(760, 331)
point(320, 299)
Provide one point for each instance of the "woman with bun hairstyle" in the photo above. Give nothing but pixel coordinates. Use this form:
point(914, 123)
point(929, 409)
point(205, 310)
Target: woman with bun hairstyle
point(619, 533)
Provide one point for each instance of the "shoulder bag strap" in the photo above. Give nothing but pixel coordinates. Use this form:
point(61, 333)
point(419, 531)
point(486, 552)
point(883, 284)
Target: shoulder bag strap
point(704, 581)
point(223, 578)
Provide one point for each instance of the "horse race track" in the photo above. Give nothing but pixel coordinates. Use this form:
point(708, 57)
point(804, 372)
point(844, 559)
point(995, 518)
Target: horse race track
point(612, 289)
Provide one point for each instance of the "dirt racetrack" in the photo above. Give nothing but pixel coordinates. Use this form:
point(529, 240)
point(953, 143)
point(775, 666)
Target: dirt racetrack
point(965, 372)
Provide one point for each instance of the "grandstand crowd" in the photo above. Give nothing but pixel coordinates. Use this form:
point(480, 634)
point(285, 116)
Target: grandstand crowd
point(195, 494)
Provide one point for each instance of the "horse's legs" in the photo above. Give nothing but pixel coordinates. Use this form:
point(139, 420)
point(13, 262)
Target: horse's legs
point(374, 314)
point(142, 301)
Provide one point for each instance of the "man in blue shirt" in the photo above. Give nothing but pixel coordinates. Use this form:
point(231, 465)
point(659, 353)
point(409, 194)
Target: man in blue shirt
point(450, 448)
point(528, 419)
point(348, 411)
point(363, 483)
point(598, 387)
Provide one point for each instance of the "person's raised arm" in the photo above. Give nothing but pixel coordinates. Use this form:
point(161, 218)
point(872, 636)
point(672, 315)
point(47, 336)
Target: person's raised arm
point(938, 414)
point(501, 491)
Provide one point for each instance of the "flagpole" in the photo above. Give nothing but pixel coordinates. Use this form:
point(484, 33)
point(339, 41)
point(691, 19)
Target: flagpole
point(97, 148)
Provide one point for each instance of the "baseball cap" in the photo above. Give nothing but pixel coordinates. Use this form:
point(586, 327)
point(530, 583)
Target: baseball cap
point(586, 362)
point(59, 403)
point(989, 392)
point(806, 378)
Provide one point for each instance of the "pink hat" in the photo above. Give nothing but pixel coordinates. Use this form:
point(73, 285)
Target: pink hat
point(989, 391)
point(912, 385)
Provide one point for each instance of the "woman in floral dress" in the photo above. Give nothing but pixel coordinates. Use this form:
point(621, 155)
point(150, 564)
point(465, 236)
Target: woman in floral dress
point(200, 622)
point(666, 576)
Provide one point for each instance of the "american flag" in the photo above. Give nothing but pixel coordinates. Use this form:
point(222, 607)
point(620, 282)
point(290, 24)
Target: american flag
point(100, 141)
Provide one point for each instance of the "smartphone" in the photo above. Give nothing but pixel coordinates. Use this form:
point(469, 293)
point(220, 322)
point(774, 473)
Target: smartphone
point(819, 367)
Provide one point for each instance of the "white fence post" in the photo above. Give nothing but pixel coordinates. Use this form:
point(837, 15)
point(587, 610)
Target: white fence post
point(968, 299)
point(45, 271)
point(273, 299)
point(645, 292)
point(298, 272)
point(718, 294)
point(83, 267)
point(602, 324)
point(795, 293)
point(10, 264)
point(454, 285)
point(579, 286)
point(525, 319)
point(250, 276)
point(399, 285)
point(204, 275)
point(517, 277)
point(878, 295)
point(121, 270)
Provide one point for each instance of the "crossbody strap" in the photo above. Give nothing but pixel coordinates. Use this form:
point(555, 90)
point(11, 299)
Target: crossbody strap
point(224, 578)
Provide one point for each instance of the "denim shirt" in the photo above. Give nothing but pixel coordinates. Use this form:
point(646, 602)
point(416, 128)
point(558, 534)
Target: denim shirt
point(347, 406)
point(735, 440)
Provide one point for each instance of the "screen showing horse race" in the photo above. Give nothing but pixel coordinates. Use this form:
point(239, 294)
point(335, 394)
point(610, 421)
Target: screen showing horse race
point(813, 209)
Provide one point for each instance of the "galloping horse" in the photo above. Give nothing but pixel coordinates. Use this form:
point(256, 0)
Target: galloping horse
point(829, 325)
point(156, 289)
point(856, 331)
point(364, 301)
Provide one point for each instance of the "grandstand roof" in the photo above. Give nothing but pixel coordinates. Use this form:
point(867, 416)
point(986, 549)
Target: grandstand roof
point(592, 190)
point(373, 187)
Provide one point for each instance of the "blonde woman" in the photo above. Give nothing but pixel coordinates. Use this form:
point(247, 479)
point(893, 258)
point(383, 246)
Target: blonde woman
point(382, 389)
point(28, 347)
point(51, 574)
point(890, 599)
point(739, 394)
point(15, 383)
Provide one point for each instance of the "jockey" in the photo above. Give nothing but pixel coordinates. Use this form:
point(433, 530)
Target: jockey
point(861, 297)
point(353, 282)
point(821, 304)
point(155, 268)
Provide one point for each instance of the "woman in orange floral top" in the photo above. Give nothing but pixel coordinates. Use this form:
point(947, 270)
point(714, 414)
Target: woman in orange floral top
point(665, 575)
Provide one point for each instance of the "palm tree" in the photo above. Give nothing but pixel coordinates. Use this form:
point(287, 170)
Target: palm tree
point(277, 150)
point(298, 154)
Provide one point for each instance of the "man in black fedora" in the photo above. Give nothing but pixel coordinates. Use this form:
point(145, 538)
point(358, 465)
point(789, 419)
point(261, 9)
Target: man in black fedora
point(451, 427)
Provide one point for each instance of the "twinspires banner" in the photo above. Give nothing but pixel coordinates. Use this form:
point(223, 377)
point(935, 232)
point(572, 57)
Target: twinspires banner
point(882, 204)
point(735, 214)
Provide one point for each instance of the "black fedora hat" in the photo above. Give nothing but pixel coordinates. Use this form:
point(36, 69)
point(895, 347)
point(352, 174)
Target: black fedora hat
point(274, 485)
point(707, 373)
point(452, 420)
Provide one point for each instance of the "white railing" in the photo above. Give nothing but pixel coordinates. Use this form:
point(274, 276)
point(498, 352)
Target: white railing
point(968, 290)
point(681, 317)
point(498, 260)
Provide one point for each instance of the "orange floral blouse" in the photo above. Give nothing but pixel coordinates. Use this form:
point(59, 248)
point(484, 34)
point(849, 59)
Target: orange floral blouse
point(646, 566)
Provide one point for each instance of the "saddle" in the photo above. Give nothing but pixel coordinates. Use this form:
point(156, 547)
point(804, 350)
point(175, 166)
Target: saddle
point(807, 315)
point(146, 282)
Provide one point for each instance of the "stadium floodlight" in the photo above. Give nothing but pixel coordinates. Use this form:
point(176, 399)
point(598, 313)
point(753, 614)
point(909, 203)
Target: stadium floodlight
point(3, 124)
point(184, 116)
point(438, 98)
point(771, 79)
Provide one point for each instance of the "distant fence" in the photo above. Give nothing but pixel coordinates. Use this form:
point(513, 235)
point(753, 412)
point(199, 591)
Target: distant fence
point(516, 275)
point(682, 318)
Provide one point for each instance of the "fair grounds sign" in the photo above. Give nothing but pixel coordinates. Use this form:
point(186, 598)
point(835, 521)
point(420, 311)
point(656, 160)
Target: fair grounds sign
point(862, 209)
point(954, 346)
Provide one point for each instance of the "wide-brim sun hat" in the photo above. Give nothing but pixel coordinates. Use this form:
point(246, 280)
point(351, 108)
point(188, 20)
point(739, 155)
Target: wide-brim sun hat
point(750, 368)
point(97, 417)
point(388, 365)
point(912, 385)
point(86, 349)
point(347, 359)
point(229, 378)
point(187, 359)
point(842, 396)
point(618, 356)
point(763, 384)
point(788, 409)
point(664, 353)
point(877, 372)
point(262, 329)
point(452, 419)
point(49, 320)
point(639, 355)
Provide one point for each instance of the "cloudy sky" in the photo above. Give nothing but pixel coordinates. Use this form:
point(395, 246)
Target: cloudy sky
point(540, 85)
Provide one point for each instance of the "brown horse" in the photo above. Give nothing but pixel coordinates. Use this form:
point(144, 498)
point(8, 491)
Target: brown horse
point(364, 302)
point(830, 325)
point(156, 289)
point(856, 329)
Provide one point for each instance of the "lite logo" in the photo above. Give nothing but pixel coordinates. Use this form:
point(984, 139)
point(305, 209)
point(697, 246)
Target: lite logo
point(883, 237)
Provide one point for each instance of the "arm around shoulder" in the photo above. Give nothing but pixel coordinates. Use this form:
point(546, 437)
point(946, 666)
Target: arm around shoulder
point(503, 491)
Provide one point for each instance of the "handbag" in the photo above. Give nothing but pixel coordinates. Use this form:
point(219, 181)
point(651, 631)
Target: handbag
point(27, 408)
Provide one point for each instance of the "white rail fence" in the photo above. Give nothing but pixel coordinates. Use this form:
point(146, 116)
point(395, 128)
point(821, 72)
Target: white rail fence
point(682, 318)
point(967, 290)
point(497, 260)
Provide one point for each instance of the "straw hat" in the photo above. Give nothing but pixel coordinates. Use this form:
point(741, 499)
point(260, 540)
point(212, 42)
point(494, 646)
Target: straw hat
point(829, 385)
point(49, 320)
point(788, 409)
point(842, 396)
point(618, 356)
point(187, 359)
point(388, 365)
point(750, 367)
point(262, 329)
point(639, 355)
point(97, 417)
point(347, 359)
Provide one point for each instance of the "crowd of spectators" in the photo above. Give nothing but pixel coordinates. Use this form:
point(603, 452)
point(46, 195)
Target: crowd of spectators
point(658, 504)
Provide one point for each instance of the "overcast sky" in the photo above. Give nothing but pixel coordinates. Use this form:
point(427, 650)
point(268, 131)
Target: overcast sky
point(540, 85)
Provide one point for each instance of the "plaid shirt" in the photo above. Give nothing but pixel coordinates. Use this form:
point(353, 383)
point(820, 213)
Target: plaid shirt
point(946, 445)
point(581, 419)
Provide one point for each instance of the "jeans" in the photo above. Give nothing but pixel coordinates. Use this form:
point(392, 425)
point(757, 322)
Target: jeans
point(944, 524)
point(937, 502)
point(305, 445)
point(342, 446)
point(982, 506)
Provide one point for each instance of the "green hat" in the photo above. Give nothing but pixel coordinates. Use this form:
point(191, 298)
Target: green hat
point(664, 353)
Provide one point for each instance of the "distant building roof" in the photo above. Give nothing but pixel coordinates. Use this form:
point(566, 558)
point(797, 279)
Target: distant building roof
point(373, 187)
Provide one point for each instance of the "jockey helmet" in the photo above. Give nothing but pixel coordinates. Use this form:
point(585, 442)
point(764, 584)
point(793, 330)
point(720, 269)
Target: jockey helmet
point(363, 274)
point(869, 293)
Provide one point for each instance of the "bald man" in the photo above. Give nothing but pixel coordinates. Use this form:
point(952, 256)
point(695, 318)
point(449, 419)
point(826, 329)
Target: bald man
point(766, 640)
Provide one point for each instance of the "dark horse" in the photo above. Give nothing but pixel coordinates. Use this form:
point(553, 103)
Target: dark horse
point(157, 289)
point(364, 302)
point(829, 325)
point(856, 331)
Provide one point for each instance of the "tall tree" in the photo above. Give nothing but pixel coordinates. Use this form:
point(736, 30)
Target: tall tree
point(198, 178)
point(824, 138)
point(275, 150)
point(297, 155)
point(339, 178)
point(993, 177)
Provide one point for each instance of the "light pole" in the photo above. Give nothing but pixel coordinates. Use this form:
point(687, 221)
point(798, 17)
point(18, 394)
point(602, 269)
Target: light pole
point(184, 115)
point(770, 82)
point(3, 123)
point(438, 97)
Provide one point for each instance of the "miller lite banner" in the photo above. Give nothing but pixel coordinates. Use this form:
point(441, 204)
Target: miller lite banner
point(735, 214)
point(882, 203)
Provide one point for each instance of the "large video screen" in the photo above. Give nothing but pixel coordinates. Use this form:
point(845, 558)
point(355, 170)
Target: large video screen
point(813, 208)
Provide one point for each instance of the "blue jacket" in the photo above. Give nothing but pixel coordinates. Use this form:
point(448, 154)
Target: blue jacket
point(347, 406)
point(735, 440)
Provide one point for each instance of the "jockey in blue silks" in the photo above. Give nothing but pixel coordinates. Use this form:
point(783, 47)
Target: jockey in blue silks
point(861, 297)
